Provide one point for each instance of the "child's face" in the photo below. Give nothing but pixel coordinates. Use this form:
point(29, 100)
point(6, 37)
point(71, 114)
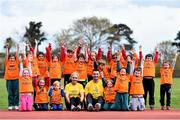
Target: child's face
point(109, 84)
point(81, 60)
point(166, 65)
point(12, 59)
point(26, 73)
point(122, 72)
point(114, 58)
point(69, 54)
point(41, 57)
point(149, 59)
point(41, 83)
point(56, 87)
point(93, 55)
point(55, 59)
point(137, 73)
point(74, 78)
point(95, 75)
point(101, 65)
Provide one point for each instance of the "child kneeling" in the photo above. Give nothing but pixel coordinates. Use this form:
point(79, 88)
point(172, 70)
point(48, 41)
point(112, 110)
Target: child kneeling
point(56, 94)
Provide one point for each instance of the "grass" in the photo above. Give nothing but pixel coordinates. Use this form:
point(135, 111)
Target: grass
point(175, 103)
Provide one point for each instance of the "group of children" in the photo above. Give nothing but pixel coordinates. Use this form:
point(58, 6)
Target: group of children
point(121, 82)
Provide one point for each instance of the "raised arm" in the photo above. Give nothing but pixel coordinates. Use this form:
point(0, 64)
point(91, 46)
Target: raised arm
point(99, 55)
point(17, 51)
point(29, 66)
point(174, 60)
point(35, 48)
point(156, 56)
point(123, 51)
point(48, 53)
point(7, 51)
point(118, 66)
point(109, 55)
point(128, 68)
point(21, 66)
point(86, 54)
point(103, 79)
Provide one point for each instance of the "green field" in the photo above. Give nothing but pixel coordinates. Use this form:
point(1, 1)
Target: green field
point(175, 100)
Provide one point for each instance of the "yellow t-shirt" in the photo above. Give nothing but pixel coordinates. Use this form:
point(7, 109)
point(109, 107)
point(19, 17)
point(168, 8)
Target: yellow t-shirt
point(74, 90)
point(96, 89)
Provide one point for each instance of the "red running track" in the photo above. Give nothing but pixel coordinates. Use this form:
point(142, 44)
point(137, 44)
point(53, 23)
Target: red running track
point(148, 114)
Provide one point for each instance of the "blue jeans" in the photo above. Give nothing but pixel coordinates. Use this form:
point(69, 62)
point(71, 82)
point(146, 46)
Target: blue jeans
point(121, 101)
point(13, 92)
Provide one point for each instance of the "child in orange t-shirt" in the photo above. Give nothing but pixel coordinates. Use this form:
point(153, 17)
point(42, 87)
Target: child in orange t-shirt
point(166, 81)
point(109, 93)
point(56, 96)
point(42, 64)
point(137, 91)
point(55, 66)
point(121, 86)
point(148, 65)
point(26, 87)
point(12, 78)
point(41, 99)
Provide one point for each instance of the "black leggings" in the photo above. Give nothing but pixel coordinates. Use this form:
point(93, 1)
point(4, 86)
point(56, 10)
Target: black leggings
point(165, 89)
point(148, 85)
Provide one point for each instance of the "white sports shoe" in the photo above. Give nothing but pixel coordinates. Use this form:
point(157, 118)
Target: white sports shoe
point(10, 108)
point(16, 107)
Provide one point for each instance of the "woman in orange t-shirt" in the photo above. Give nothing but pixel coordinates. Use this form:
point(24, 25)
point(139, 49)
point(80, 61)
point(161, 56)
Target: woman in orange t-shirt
point(12, 78)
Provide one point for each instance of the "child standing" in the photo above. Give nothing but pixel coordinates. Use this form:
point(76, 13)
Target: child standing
point(26, 87)
point(137, 91)
point(166, 81)
point(121, 87)
point(56, 94)
point(148, 76)
point(12, 78)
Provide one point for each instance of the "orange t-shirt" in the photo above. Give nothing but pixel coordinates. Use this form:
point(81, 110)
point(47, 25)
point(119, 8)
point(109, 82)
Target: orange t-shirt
point(113, 65)
point(34, 66)
point(81, 68)
point(109, 95)
point(149, 69)
point(43, 67)
point(69, 65)
point(122, 84)
point(25, 85)
point(166, 76)
point(55, 70)
point(41, 95)
point(90, 67)
point(11, 70)
point(56, 97)
point(105, 72)
point(136, 86)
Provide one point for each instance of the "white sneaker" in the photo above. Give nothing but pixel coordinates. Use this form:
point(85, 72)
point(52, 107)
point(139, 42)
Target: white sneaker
point(90, 107)
point(10, 108)
point(16, 107)
point(97, 106)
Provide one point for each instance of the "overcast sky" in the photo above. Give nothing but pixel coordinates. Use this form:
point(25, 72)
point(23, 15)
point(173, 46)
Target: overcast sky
point(151, 20)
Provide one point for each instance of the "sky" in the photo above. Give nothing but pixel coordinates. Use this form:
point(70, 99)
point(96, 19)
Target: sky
point(152, 21)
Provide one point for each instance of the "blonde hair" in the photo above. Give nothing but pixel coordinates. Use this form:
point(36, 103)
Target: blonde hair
point(56, 83)
point(74, 73)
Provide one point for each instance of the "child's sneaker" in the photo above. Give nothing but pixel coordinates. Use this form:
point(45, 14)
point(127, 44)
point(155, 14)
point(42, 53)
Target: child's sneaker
point(16, 108)
point(97, 106)
point(78, 107)
point(10, 108)
point(152, 107)
point(162, 107)
point(73, 108)
point(168, 108)
point(90, 107)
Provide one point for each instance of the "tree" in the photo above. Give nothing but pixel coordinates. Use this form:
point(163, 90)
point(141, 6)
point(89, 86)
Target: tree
point(177, 41)
point(167, 50)
point(91, 29)
point(33, 32)
point(119, 32)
